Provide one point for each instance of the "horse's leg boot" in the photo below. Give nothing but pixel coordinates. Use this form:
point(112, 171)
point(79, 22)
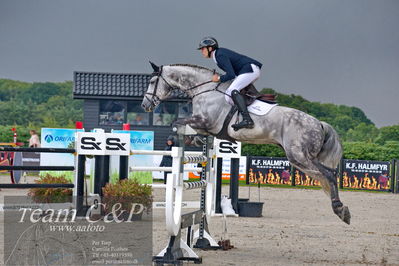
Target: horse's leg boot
point(239, 101)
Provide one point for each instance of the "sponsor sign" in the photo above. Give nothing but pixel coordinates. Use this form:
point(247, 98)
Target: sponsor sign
point(372, 175)
point(226, 168)
point(226, 164)
point(89, 143)
point(139, 140)
point(57, 138)
point(302, 179)
point(268, 170)
point(227, 149)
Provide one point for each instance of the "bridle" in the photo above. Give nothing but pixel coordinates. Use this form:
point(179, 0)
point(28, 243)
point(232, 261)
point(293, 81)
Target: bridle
point(155, 98)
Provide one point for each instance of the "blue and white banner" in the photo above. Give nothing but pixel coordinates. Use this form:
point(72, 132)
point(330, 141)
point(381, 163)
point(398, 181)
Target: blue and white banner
point(140, 140)
point(58, 138)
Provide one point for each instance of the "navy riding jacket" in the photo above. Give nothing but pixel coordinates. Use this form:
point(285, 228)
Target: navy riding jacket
point(233, 63)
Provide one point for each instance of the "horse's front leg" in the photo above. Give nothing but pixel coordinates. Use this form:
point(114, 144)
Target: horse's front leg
point(199, 124)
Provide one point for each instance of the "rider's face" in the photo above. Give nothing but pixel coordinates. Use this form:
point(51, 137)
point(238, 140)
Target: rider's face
point(204, 51)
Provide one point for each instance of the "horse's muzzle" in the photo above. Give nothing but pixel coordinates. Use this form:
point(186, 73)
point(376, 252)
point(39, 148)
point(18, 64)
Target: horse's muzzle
point(148, 106)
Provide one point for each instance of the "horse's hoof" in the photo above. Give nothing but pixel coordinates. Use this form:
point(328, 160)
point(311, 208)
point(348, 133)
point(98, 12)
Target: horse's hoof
point(344, 214)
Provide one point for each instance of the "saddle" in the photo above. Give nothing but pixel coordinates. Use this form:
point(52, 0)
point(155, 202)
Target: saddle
point(251, 94)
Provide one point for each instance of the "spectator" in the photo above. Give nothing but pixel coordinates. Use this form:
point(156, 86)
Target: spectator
point(34, 141)
point(138, 120)
point(167, 160)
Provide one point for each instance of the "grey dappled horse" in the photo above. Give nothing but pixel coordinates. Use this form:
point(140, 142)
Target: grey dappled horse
point(310, 145)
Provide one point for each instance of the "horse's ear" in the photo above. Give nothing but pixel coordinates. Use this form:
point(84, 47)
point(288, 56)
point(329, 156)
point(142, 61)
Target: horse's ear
point(154, 67)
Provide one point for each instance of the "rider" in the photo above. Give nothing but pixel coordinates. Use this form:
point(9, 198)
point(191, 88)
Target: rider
point(242, 69)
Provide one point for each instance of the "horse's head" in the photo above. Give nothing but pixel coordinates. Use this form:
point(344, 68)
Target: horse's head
point(158, 90)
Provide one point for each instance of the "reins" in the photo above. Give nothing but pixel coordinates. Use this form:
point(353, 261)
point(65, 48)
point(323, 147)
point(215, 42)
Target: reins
point(159, 75)
point(214, 89)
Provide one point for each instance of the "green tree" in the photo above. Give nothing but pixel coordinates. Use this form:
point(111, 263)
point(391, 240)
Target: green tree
point(38, 104)
point(389, 133)
point(342, 118)
point(371, 151)
point(362, 132)
point(270, 150)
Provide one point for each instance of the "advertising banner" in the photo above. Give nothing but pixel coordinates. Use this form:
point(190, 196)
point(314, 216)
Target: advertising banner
point(371, 175)
point(99, 143)
point(227, 149)
point(268, 170)
point(302, 179)
point(225, 169)
point(58, 138)
point(276, 171)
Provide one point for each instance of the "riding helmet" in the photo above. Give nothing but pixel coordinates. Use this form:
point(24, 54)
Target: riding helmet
point(208, 42)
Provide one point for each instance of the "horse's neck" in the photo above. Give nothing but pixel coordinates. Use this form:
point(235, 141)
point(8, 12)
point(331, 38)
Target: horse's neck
point(186, 78)
point(207, 102)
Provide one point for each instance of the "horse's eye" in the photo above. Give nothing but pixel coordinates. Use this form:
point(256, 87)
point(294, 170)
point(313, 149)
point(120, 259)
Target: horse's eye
point(152, 82)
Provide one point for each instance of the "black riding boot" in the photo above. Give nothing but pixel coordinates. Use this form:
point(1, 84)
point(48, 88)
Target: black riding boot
point(242, 108)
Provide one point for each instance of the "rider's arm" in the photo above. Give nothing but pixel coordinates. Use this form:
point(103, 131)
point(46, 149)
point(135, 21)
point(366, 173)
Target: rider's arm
point(225, 64)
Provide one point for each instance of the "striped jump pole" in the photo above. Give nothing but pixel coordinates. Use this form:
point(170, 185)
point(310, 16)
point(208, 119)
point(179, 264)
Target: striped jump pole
point(195, 184)
point(195, 159)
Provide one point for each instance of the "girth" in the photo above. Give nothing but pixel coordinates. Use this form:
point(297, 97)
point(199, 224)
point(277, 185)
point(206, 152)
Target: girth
point(223, 134)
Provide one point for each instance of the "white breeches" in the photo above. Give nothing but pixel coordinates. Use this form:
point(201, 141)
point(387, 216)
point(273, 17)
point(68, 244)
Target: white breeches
point(241, 81)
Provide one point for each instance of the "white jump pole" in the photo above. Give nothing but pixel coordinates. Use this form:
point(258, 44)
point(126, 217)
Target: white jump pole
point(161, 168)
point(158, 152)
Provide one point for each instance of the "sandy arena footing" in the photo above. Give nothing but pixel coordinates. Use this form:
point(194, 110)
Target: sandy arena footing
point(298, 227)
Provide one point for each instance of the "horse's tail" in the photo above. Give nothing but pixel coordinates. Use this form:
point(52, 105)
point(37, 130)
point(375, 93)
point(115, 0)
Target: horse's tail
point(331, 152)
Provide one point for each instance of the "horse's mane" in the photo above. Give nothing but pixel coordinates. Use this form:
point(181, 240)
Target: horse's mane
point(193, 66)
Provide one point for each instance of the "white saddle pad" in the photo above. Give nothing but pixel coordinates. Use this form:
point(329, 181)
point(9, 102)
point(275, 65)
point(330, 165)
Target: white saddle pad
point(260, 108)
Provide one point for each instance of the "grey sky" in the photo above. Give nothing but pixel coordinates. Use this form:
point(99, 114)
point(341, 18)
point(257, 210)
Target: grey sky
point(338, 51)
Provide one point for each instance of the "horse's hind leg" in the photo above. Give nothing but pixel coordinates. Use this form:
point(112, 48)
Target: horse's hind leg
point(327, 178)
point(338, 208)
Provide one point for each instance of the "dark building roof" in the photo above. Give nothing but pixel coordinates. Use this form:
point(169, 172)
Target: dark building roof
point(111, 85)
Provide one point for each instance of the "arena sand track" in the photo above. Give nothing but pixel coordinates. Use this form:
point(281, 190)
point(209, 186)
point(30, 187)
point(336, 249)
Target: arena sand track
point(297, 228)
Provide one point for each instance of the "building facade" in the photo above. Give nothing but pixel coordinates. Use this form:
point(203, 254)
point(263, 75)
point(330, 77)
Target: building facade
point(113, 99)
